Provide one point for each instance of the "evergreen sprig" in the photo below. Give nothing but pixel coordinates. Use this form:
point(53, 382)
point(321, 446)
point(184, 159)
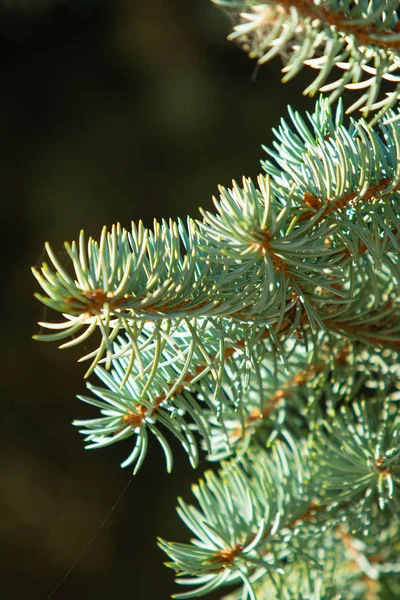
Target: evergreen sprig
point(267, 333)
point(361, 39)
point(243, 517)
point(267, 507)
point(277, 275)
point(363, 446)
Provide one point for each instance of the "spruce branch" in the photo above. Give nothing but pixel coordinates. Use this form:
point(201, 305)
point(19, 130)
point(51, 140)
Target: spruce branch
point(244, 303)
point(270, 244)
point(360, 39)
point(267, 333)
point(350, 568)
point(269, 504)
point(243, 515)
point(364, 453)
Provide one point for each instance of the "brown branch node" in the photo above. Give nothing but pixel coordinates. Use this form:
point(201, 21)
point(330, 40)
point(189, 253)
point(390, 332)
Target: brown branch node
point(227, 556)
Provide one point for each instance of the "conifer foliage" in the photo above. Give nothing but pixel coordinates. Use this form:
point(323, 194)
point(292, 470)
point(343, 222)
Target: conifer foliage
point(266, 334)
point(359, 41)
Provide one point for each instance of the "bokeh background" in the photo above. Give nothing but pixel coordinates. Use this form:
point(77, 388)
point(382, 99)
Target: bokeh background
point(109, 111)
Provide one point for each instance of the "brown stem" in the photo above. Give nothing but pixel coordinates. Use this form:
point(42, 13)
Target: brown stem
point(344, 201)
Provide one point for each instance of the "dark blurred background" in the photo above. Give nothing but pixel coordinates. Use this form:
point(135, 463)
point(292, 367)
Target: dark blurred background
point(109, 111)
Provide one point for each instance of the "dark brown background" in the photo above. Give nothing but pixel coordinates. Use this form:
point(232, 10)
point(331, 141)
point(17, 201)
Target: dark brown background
point(108, 112)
